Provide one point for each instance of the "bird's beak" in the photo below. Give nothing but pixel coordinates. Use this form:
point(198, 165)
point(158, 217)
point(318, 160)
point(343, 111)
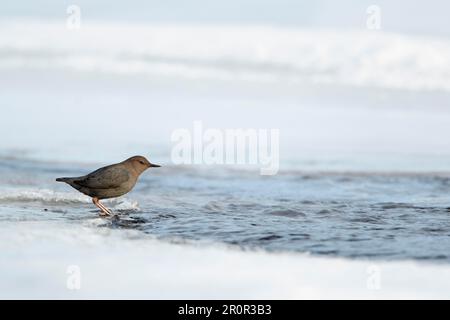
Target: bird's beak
point(154, 165)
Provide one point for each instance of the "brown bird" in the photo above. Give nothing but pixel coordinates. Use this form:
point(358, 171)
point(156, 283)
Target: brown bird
point(111, 181)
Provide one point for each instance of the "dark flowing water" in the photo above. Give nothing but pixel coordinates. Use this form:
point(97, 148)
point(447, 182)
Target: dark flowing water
point(357, 215)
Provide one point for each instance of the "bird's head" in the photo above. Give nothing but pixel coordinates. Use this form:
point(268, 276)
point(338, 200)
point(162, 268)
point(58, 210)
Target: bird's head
point(140, 163)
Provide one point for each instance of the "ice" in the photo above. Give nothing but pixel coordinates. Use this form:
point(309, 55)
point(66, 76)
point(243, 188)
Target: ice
point(38, 258)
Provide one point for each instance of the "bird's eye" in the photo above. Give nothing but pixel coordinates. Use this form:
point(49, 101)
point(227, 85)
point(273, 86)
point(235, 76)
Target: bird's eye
point(141, 162)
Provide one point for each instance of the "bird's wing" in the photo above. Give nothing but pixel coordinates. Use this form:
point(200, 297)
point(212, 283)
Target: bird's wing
point(105, 178)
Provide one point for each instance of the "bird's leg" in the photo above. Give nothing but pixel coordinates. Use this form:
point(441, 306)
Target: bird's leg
point(105, 210)
point(98, 205)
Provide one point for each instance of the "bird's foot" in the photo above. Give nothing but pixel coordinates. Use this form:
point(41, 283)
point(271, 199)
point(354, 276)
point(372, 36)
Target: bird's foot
point(104, 214)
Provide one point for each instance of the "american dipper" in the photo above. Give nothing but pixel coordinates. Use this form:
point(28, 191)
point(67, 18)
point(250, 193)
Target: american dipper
point(110, 181)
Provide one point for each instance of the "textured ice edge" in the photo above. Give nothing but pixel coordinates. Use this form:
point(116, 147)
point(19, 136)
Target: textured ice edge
point(50, 197)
